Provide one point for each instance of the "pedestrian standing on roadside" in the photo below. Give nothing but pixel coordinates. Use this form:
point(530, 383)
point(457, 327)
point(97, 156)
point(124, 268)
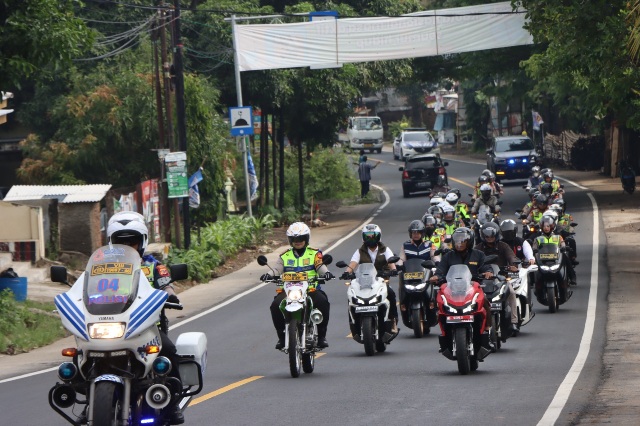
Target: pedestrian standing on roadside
point(364, 173)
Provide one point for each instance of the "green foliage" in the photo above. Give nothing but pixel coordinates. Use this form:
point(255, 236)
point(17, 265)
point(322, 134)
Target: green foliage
point(329, 176)
point(220, 240)
point(396, 127)
point(27, 325)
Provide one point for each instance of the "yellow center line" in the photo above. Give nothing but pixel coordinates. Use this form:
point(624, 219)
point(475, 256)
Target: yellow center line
point(223, 390)
point(459, 181)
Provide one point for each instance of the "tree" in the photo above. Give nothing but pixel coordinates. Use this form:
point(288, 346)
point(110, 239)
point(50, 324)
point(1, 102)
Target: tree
point(38, 38)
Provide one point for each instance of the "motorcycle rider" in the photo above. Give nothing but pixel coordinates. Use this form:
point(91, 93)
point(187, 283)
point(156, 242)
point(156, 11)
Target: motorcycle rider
point(128, 228)
point(536, 213)
point(535, 178)
point(417, 247)
point(486, 198)
point(453, 198)
point(301, 258)
point(374, 251)
point(566, 230)
point(431, 231)
point(495, 186)
point(533, 193)
point(464, 254)
point(449, 220)
point(491, 244)
point(547, 236)
point(482, 179)
point(521, 247)
point(548, 177)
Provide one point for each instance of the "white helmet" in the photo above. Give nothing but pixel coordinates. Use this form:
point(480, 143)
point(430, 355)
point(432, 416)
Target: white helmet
point(127, 227)
point(371, 234)
point(448, 213)
point(298, 231)
point(452, 198)
point(435, 200)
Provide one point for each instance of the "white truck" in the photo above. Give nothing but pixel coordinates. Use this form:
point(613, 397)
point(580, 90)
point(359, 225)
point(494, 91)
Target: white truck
point(365, 133)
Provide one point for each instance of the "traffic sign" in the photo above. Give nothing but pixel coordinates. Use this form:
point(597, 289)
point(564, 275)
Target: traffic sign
point(241, 121)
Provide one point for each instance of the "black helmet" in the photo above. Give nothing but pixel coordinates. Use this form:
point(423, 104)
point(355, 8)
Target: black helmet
point(483, 179)
point(461, 235)
point(541, 199)
point(546, 189)
point(547, 174)
point(533, 192)
point(490, 229)
point(486, 191)
point(508, 229)
point(429, 220)
point(416, 226)
point(486, 172)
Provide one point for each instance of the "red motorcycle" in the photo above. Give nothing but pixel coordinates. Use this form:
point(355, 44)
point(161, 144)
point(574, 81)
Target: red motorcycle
point(463, 319)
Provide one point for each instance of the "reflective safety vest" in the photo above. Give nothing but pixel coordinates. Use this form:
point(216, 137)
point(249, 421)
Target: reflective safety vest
point(551, 239)
point(448, 229)
point(309, 262)
point(536, 215)
point(462, 211)
point(564, 223)
point(423, 251)
point(436, 238)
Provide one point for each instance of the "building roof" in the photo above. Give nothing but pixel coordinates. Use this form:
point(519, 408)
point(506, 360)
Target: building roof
point(63, 193)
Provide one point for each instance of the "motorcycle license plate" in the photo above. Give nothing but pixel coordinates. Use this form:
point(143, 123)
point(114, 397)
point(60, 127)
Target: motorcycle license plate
point(548, 256)
point(294, 276)
point(413, 275)
point(456, 319)
point(366, 309)
point(496, 306)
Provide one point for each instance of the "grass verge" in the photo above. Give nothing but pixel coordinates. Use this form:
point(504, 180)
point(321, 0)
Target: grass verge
point(27, 325)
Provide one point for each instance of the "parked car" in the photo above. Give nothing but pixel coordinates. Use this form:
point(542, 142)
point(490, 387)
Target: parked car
point(422, 173)
point(413, 142)
point(511, 157)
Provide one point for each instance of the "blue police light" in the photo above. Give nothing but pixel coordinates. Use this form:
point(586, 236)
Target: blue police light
point(161, 365)
point(146, 421)
point(511, 161)
point(67, 371)
point(524, 160)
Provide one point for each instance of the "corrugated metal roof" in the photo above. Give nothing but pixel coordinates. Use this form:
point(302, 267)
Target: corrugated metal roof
point(64, 193)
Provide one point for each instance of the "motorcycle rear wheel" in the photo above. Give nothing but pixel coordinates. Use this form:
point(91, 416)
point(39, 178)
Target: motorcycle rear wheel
point(106, 404)
point(295, 356)
point(462, 351)
point(416, 321)
point(551, 299)
point(367, 336)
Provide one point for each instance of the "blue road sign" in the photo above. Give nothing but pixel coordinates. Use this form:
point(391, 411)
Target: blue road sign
point(241, 119)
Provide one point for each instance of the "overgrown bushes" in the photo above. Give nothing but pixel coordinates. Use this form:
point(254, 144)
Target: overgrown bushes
point(586, 153)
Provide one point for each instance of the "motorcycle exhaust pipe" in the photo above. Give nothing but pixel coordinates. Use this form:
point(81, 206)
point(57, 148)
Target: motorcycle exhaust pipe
point(316, 316)
point(158, 396)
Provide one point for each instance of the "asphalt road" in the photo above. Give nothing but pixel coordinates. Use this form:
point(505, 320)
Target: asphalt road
point(248, 382)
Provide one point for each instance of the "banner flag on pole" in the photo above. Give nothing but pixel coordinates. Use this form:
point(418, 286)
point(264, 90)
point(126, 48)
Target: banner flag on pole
point(194, 193)
point(253, 178)
point(537, 120)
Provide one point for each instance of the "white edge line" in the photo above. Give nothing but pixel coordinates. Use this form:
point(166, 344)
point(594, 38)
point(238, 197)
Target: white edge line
point(236, 297)
point(562, 395)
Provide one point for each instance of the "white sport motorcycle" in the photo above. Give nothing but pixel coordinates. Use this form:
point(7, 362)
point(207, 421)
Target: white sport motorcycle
point(523, 288)
point(117, 376)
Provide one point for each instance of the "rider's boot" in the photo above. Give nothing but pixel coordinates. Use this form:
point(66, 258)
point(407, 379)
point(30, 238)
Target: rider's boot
point(176, 417)
point(322, 338)
point(280, 343)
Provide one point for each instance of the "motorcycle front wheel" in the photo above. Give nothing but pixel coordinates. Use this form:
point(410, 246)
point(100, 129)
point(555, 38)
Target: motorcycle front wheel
point(308, 362)
point(416, 321)
point(368, 337)
point(295, 356)
point(462, 350)
point(551, 299)
point(106, 404)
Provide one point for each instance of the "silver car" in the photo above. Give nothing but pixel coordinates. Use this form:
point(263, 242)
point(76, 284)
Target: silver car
point(412, 142)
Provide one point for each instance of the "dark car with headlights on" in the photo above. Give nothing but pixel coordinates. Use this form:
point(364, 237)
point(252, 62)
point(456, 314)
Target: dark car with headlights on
point(422, 173)
point(511, 157)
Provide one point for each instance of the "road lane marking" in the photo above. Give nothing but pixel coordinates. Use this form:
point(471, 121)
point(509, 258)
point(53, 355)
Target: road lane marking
point(461, 182)
point(223, 390)
point(562, 395)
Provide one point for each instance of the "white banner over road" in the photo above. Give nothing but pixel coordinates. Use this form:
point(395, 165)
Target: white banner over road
point(428, 33)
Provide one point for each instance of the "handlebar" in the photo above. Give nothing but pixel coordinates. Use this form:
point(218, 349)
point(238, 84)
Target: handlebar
point(176, 306)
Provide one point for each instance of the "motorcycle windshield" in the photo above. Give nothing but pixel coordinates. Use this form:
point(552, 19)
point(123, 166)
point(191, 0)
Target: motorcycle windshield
point(548, 253)
point(366, 275)
point(413, 270)
point(484, 214)
point(111, 279)
point(459, 283)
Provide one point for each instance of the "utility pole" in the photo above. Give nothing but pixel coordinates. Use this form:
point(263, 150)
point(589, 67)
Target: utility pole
point(180, 110)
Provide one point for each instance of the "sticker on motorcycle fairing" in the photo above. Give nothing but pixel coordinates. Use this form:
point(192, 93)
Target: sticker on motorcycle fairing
point(105, 300)
point(496, 306)
point(413, 275)
point(104, 285)
point(146, 271)
point(112, 268)
point(294, 276)
point(163, 271)
point(550, 256)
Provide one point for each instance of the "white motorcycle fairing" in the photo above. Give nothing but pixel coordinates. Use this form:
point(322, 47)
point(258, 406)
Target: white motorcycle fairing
point(367, 285)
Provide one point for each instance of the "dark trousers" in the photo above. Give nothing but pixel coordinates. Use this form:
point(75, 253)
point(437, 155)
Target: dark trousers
point(364, 188)
point(393, 304)
point(169, 350)
point(320, 301)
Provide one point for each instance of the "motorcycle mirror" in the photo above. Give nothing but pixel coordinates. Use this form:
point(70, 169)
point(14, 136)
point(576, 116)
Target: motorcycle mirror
point(446, 163)
point(393, 259)
point(519, 211)
point(428, 264)
point(179, 271)
point(327, 259)
point(561, 185)
point(574, 224)
point(401, 169)
point(262, 260)
point(341, 264)
point(499, 203)
point(524, 187)
point(59, 274)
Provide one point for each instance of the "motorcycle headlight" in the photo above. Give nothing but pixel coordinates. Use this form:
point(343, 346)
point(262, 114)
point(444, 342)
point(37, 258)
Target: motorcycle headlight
point(295, 295)
point(421, 286)
point(357, 301)
point(374, 300)
point(106, 330)
point(472, 306)
point(410, 287)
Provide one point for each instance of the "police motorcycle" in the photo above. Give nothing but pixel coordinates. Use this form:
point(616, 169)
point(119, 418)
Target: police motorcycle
point(116, 375)
point(369, 306)
point(496, 290)
point(524, 302)
point(419, 296)
point(301, 331)
point(552, 275)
